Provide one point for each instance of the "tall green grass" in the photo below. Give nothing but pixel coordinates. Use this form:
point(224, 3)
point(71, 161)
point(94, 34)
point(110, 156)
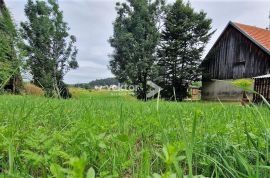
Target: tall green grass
point(109, 135)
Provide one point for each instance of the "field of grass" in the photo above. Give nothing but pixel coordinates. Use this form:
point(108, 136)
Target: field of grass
point(101, 134)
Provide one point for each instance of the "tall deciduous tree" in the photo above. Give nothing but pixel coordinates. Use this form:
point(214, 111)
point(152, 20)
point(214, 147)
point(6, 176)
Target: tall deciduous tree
point(183, 41)
point(10, 78)
point(50, 50)
point(135, 39)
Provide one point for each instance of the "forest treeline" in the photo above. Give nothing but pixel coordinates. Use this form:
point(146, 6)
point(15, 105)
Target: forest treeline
point(159, 42)
point(98, 82)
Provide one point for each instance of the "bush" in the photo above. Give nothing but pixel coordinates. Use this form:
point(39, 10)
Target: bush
point(31, 89)
point(244, 84)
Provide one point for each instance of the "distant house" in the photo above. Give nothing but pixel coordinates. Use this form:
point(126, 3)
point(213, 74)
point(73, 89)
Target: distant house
point(241, 51)
point(113, 87)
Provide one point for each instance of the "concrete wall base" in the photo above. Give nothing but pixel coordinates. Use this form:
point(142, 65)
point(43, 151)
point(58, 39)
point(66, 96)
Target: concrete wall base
point(222, 90)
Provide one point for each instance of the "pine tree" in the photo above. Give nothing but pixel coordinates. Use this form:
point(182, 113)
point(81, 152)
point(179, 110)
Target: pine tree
point(183, 40)
point(135, 39)
point(10, 77)
point(50, 50)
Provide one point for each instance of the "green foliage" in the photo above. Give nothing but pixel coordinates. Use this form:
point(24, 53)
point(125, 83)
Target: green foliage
point(136, 41)
point(99, 82)
point(79, 92)
point(244, 84)
point(183, 41)
point(105, 135)
point(49, 49)
point(135, 38)
point(196, 84)
point(9, 62)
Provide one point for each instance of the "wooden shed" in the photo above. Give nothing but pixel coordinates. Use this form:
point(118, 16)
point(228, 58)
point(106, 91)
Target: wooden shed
point(241, 51)
point(195, 93)
point(262, 87)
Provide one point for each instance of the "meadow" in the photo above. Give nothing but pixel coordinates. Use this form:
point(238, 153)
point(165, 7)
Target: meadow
point(104, 134)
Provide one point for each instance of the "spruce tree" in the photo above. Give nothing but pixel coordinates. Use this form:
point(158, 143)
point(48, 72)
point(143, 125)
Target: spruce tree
point(183, 41)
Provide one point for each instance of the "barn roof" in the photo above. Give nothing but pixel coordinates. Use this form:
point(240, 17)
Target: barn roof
point(258, 35)
point(263, 76)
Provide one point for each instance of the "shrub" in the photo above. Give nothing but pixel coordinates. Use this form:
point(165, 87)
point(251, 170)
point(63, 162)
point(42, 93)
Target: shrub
point(244, 84)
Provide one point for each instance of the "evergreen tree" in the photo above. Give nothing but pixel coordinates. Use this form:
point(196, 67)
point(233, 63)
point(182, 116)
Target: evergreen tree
point(135, 39)
point(183, 40)
point(50, 50)
point(10, 78)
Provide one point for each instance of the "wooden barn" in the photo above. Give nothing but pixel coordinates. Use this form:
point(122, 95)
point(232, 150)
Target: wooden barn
point(241, 51)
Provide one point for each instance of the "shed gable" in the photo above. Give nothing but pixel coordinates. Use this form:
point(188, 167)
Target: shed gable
point(235, 55)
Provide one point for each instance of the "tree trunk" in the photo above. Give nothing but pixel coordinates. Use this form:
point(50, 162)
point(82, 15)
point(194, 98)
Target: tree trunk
point(144, 85)
point(2, 3)
point(56, 85)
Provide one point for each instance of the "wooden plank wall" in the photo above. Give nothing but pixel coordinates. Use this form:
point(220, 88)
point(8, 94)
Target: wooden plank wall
point(262, 86)
point(234, 56)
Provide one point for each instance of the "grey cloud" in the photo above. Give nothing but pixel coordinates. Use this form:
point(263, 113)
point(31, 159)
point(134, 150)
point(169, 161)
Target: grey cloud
point(87, 74)
point(249, 12)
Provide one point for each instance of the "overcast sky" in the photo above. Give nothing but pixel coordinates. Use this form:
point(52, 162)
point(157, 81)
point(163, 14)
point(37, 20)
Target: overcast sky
point(91, 22)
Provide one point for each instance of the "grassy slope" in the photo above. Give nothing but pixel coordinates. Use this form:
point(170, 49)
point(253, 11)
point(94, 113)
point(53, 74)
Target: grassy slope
point(122, 137)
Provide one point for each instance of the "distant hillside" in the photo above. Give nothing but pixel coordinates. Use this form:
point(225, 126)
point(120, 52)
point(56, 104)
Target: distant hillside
point(100, 82)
